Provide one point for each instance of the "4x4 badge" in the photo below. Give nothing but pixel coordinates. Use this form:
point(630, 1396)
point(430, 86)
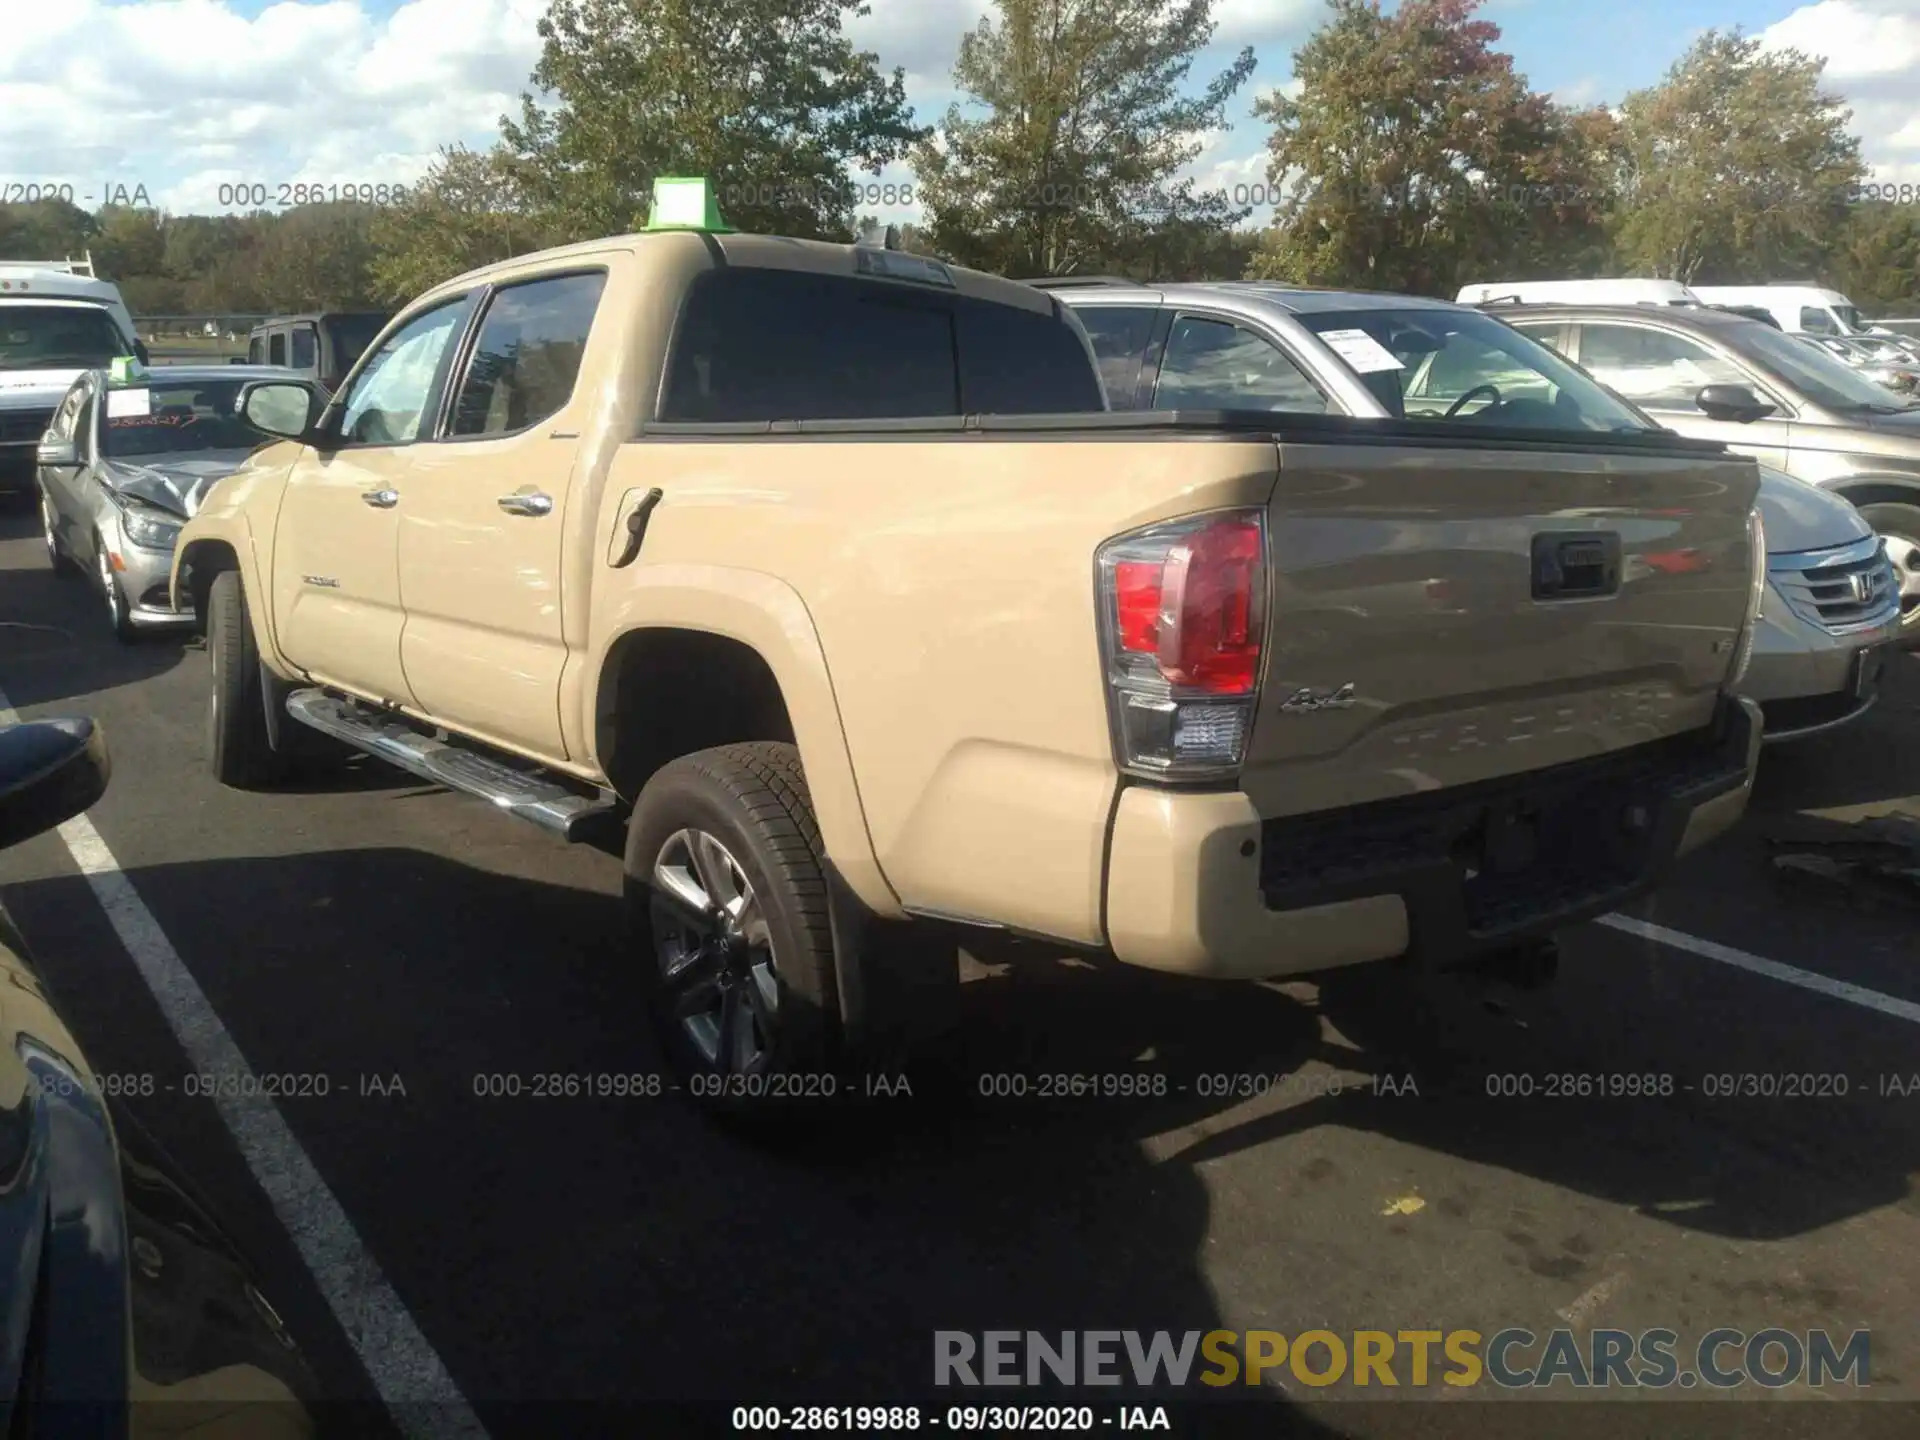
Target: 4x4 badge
point(1305, 700)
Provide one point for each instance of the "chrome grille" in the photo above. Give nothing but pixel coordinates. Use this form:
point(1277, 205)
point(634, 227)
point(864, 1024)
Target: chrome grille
point(24, 427)
point(1843, 590)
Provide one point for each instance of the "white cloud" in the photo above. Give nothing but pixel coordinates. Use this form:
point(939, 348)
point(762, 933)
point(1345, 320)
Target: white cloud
point(1872, 50)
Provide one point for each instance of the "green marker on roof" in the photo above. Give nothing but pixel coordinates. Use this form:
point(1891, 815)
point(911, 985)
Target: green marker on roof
point(125, 368)
point(685, 202)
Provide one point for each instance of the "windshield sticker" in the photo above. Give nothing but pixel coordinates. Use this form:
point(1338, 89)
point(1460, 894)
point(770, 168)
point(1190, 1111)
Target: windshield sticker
point(122, 403)
point(1360, 350)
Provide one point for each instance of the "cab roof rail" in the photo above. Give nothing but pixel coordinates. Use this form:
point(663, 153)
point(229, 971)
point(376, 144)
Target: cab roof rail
point(1066, 282)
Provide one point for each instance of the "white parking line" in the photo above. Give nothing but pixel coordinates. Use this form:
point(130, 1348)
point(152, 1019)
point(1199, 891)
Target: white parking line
point(402, 1364)
point(1772, 969)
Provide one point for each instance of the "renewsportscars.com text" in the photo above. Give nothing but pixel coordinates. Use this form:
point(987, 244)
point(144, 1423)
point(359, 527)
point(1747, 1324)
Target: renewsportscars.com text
point(1512, 1359)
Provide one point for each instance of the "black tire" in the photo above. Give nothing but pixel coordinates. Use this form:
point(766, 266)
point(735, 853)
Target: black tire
point(239, 748)
point(57, 559)
point(119, 611)
point(752, 799)
point(1899, 525)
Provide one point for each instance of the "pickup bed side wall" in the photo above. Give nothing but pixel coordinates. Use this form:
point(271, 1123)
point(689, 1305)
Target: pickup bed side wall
point(950, 582)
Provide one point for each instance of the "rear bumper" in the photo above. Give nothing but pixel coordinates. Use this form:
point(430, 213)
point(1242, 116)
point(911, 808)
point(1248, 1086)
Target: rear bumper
point(1199, 884)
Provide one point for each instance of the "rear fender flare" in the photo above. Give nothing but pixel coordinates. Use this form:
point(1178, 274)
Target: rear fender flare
point(768, 616)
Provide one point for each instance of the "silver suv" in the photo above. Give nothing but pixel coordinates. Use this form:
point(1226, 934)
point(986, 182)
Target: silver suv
point(1832, 607)
point(1723, 377)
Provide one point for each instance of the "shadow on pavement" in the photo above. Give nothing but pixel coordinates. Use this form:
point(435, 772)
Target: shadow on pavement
point(54, 640)
point(623, 1249)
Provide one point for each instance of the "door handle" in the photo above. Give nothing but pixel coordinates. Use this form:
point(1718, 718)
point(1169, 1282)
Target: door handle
point(534, 504)
point(381, 499)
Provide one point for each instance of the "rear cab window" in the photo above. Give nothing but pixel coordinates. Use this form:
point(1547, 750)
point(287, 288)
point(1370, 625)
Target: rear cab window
point(306, 347)
point(277, 348)
point(757, 344)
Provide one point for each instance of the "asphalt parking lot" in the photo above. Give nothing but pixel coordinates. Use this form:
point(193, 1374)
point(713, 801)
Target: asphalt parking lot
point(441, 1248)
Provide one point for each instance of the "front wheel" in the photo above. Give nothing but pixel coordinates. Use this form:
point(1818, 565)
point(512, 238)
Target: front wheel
point(119, 613)
point(726, 888)
point(240, 749)
point(49, 536)
point(1898, 524)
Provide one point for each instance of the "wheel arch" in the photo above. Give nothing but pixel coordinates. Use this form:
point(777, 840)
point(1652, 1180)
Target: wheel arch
point(698, 656)
point(1878, 489)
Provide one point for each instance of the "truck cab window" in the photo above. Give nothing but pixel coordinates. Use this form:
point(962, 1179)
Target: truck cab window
point(387, 400)
point(787, 345)
point(528, 354)
point(306, 347)
point(1211, 365)
point(277, 348)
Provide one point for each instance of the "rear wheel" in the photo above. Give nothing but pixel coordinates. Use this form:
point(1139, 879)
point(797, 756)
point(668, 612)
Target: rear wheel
point(56, 557)
point(240, 751)
point(1899, 525)
point(725, 886)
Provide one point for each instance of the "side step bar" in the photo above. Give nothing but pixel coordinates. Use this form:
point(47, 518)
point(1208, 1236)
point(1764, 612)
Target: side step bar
point(547, 804)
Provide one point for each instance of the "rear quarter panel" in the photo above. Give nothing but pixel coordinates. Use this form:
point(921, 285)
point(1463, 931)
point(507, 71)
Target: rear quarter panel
point(950, 584)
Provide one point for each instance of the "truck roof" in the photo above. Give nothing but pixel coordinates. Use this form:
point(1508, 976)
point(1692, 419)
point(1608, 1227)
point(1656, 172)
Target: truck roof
point(38, 282)
point(766, 252)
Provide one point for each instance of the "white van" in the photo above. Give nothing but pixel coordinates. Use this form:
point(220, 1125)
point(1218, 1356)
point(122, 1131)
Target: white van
point(1800, 309)
point(56, 320)
point(1579, 292)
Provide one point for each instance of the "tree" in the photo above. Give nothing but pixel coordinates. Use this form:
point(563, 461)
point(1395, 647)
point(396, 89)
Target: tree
point(45, 230)
point(766, 98)
point(468, 210)
point(1414, 155)
point(1738, 166)
point(319, 256)
point(1075, 164)
point(131, 243)
point(1876, 261)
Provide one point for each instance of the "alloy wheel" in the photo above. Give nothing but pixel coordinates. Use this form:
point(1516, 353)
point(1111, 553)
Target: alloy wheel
point(1904, 551)
point(116, 602)
point(715, 952)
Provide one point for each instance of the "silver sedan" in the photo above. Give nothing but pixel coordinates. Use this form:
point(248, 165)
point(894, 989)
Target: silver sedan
point(125, 464)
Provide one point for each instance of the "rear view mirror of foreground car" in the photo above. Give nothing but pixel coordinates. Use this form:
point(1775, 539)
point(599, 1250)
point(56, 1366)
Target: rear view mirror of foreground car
point(1732, 402)
point(50, 771)
point(286, 408)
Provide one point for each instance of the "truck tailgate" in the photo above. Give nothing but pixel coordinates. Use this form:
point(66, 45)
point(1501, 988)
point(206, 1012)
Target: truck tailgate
point(1443, 616)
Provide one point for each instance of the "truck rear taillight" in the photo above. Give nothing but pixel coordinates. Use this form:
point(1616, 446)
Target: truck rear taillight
point(1183, 606)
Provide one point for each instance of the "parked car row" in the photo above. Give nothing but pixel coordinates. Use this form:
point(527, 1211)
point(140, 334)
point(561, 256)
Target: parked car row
point(1318, 629)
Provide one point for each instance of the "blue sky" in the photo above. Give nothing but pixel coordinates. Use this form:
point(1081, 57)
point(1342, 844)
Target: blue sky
point(186, 99)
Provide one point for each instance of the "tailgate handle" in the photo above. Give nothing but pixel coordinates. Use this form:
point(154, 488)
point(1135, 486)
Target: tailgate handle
point(1569, 565)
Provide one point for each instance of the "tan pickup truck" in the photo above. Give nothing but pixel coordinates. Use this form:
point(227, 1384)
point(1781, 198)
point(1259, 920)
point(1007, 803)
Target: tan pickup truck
point(825, 572)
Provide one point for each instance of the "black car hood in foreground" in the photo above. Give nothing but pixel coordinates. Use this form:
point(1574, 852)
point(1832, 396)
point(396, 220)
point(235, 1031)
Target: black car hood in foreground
point(175, 483)
point(124, 1307)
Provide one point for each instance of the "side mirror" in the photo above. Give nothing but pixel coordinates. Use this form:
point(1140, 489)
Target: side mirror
point(50, 771)
point(287, 408)
point(1732, 402)
point(57, 455)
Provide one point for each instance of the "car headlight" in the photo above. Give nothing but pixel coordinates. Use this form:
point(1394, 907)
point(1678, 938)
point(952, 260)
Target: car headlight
point(1756, 596)
point(149, 529)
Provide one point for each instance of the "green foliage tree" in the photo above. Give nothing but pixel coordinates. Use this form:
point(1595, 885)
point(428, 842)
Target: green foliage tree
point(1876, 261)
point(468, 210)
point(1415, 156)
point(767, 98)
point(1075, 163)
point(1738, 166)
point(45, 230)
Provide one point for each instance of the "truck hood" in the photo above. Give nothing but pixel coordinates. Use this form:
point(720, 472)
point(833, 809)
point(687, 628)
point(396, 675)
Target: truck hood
point(177, 485)
point(1800, 516)
point(35, 389)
